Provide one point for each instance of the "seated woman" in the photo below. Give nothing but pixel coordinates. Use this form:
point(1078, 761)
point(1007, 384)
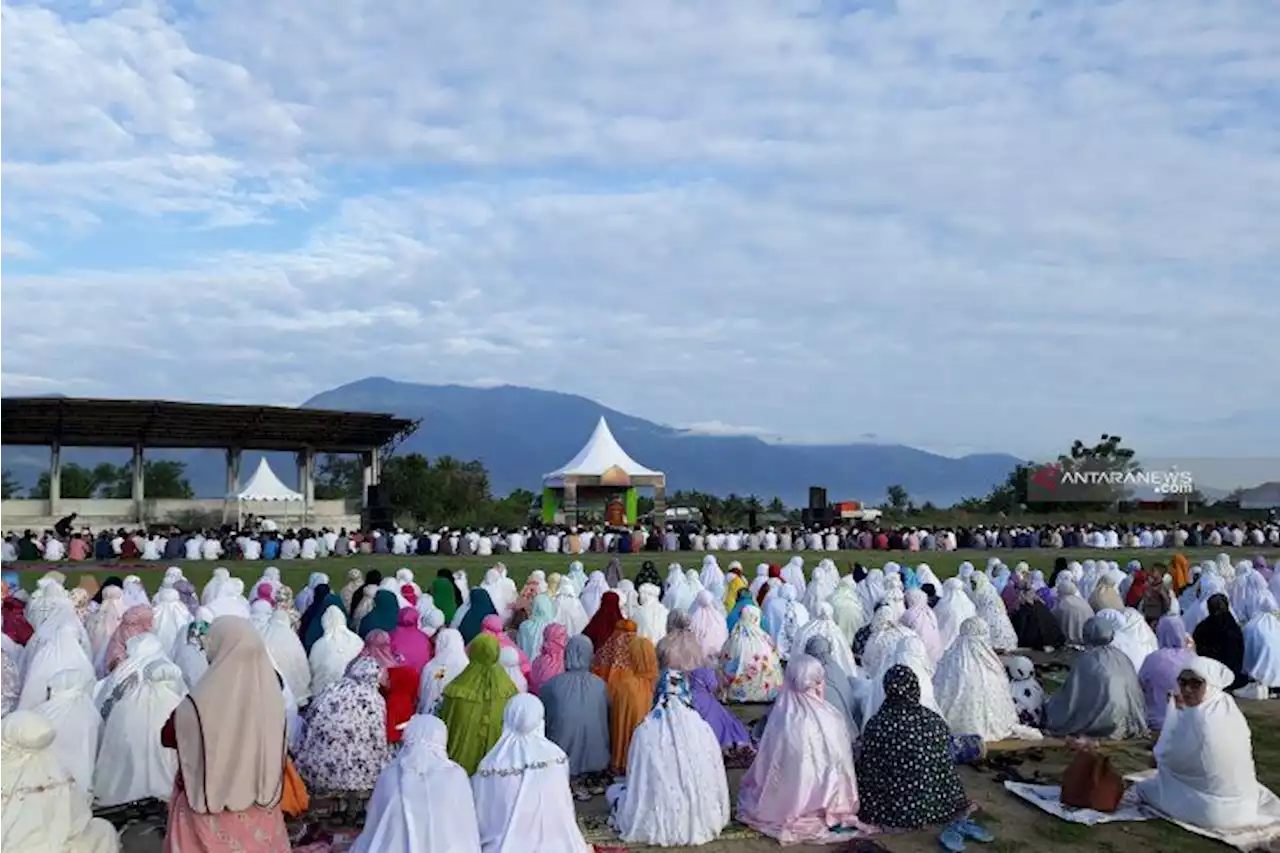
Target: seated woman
point(749, 669)
point(1262, 649)
point(972, 688)
point(1101, 698)
point(630, 689)
point(612, 653)
point(1159, 673)
point(473, 702)
point(906, 775)
point(801, 785)
point(333, 651)
point(1071, 610)
point(1204, 759)
point(577, 710)
point(44, 809)
point(132, 764)
point(423, 800)
point(823, 625)
point(345, 745)
point(521, 788)
point(1132, 635)
point(1032, 620)
point(679, 647)
point(839, 688)
point(1220, 637)
point(448, 663)
point(237, 707)
point(550, 660)
point(676, 793)
point(728, 729)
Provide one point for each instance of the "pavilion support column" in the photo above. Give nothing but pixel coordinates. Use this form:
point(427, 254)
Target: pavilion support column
point(570, 502)
point(55, 479)
point(233, 483)
point(367, 460)
point(139, 484)
point(306, 459)
point(660, 505)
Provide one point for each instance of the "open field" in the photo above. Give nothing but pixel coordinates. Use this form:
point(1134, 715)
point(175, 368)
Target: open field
point(296, 572)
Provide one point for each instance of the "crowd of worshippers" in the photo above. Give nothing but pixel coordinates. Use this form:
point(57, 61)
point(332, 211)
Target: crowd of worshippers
point(66, 544)
point(237, 703)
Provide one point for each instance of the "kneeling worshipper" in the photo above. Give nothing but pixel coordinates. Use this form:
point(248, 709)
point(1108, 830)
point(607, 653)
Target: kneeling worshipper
point(71, 710)
point(987, 601)
point(409, 643)
point(55, 648)
point(521, 787)
point(1219, 636)
point(423, 801)
point(469, 619)
point(1027, 692)
point(171, 617)
point(1205, 773)
point(569, 612)
point(473, 702)
point(45, 811)
point(337, 647)
point(953, 607)
point(823, 624)
point(509, 657)
point(649, 614)
point(749, 668)
point(1071, 610)
point(909, 653)
point(1101, 697)
point(847, 609)
point(630, 689)
point(972, 688)
point(1133, 635)
point(708, 625)
point(345, 745)
point(729, 730)
point(604, 622)
point(839, 690)
point(883, 636)
point(1033, 622)
point(577, 710)
point(921, 619)
point(288, 655)
point(532, 631)
point(188, 652)
point(1159, 673)
point(676, 793)
point(802, 785)
point(679, 647)
point(449, 662)
point(132, 763)
point(906, 776)
point(493, 625)
point(311, 625)
point(612, 652)
point(1262, 650)
point(550, 660)
point(230, 740)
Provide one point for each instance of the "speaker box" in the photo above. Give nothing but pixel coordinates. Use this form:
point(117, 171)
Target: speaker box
point(378, 510)
point(817, 497)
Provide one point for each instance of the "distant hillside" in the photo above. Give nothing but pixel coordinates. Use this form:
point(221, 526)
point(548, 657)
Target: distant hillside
point(522, 433)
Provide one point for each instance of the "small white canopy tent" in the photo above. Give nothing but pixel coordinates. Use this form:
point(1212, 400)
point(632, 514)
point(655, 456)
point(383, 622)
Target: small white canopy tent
point(599, 455)
point(265, 486)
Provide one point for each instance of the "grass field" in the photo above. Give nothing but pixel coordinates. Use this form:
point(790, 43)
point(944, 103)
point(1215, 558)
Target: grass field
point(296, 572)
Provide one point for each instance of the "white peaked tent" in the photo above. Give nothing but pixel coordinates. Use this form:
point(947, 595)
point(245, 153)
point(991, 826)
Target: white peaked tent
point(601, 454)
point(265, 486)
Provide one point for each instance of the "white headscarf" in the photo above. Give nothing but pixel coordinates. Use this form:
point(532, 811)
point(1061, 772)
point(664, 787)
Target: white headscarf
point(595, 589)
point(288, 654)
point(952, 609)
point(132, 765)
point(60, 651)
point(214, 587)
point(170, 617)
point(449, 661)
point(847, 609)
point(1205, 773)
point(336, 648)
point(71, 711)
point(422, 802)
point(134, 592)
point(972, 687)
point(569, 611)
point(1133, 635)
point(45, 810)
point(521, 787)
point(649, 614)
point(823, 624)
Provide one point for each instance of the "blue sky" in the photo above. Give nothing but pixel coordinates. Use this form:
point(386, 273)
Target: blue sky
point(959, 225)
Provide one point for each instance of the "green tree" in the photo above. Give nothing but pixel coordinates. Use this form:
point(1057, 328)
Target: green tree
point(897, 498)
point(161, 478)
point(412, 484)
point(12, 488)
point(777, 506)
point(339, 477)
point(77, 482)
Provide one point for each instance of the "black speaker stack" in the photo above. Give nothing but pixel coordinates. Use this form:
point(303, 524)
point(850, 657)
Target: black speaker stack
point(818, 513)
point(379, 514)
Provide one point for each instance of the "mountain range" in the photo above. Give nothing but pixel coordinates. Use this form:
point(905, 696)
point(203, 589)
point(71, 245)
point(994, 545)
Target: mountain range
point(522, 433)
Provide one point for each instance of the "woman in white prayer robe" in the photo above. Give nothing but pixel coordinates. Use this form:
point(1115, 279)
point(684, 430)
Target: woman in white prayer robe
point(987, 601)
point(649, 614)
point(45, 811)
point(595, 589)
point(676, 793)
point(259, 612)
point(823, 624)
point(102, 625)
point(793, 573)
point(1262, 646)
point(422, 802)
point(71, 711)
point(132, 764)
point(336, 648)
point(954, 607)
point(972, 688)
point(569, 611)
point(1132, 635)
point(1205, 773)
point(288, 655)
point(214, 587)
point(230, 600)
point(712, 577)
point(135, 593)
point(708, 624)
point(521, 788)
point(188, 652)
point(170, 617)
point(886, 632)
point(847, 609)
point(872, 589)
point(59, 651)
point(673, 588)
point(448, 663)
point(911, 653)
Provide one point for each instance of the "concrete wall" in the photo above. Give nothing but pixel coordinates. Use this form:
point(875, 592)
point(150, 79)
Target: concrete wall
point(99, 513)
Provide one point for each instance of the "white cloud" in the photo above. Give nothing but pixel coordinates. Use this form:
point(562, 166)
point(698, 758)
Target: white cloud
point(721, 428)
point(981, 225)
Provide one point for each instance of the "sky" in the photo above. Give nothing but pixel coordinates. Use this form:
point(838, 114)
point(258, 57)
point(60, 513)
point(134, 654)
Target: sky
point(966, 226)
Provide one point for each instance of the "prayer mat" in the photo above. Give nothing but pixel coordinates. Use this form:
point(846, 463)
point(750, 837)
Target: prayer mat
point(1247, 838)
point(596, 830)
point(1048, 798)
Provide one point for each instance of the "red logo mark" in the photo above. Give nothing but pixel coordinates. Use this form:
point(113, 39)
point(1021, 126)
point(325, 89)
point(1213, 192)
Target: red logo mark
point(1048, 477)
